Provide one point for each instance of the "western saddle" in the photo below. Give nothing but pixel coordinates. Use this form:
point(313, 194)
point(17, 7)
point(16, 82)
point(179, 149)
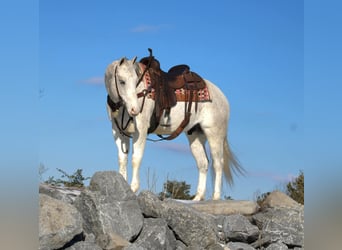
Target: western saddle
point(165, 86)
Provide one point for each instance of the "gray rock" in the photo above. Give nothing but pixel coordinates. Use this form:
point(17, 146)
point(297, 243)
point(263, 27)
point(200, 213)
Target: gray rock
point(64, 194)
point(111, 185)
point(111, 241)
point(150, 204)
point(109, 207)
point(133, 247)
point(59, 223)
point(238, 228)
point(84, 245)
point(280, 200)
point(216, 246)
point(277, 246)
point(190, 226)
point(285, 225)
point(225, 207)
point(156, 235)
point(180, 245)
point(239, 246)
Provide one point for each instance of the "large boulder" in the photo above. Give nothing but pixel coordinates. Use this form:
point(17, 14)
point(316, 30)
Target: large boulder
point(150, 204)
point(238, 228)
point(225, 207)
point(278, 199)
point(281, 225)
point(109, 207)
point(156, 235)
point(65, 194)
point(190, 226)
point(59, 223)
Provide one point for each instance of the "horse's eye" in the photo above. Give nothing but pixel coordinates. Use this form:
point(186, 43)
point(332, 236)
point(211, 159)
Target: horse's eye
point(122, 82)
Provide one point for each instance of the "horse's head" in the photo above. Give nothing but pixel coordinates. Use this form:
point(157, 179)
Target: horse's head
point(121, 81)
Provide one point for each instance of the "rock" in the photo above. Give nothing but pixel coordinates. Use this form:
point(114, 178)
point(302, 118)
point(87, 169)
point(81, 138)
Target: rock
point(216, 246)
point(180, 245)
point(150, 204)
point(109, 207)
point(190, 226)
point(285, 225)
point(225, 207)
point(84, 245)
point(277, 246)
point(109, 216)
point(110, 184)
point(64, 194)
point(280, 200)
point(134, 247)
point(239, 246)
point(59, 223)
point(156, 235)
point(111, 241)
point(238, 228)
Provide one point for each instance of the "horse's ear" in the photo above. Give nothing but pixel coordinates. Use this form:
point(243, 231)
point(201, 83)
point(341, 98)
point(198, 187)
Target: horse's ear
point(134, 59)
point(122, 61)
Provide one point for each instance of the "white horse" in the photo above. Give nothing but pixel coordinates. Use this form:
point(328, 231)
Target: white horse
point(131, 119)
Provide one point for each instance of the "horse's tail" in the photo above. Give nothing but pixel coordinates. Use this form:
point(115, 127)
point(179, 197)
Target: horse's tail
point(230, 162)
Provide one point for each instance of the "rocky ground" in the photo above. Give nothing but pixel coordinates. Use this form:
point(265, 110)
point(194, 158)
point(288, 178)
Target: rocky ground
point(108, 215)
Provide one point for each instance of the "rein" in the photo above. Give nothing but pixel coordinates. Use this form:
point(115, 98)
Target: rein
point(146, 68)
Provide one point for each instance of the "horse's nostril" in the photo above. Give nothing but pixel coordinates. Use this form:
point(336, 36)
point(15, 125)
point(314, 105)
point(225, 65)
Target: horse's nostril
point(133, 112)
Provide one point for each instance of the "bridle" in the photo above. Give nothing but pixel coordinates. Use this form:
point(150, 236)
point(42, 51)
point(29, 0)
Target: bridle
point(115, 106)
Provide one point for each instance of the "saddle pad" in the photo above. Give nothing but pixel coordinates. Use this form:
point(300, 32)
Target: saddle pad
point(182, 95)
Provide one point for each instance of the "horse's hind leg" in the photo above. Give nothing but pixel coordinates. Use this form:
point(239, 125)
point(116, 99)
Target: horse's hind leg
point(215, 140)
point(197, 141)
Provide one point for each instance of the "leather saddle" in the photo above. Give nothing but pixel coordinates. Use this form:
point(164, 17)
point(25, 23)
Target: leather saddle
point(166, 83)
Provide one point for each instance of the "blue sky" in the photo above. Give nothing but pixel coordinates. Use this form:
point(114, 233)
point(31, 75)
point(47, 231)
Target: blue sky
point(253, 50)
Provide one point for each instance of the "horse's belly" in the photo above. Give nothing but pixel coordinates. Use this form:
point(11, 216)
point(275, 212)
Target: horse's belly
point(170, 122)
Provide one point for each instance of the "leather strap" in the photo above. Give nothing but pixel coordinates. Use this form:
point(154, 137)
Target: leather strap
point(183, 124)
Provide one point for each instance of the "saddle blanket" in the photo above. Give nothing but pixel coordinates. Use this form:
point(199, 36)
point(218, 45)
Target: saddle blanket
point(182, 95)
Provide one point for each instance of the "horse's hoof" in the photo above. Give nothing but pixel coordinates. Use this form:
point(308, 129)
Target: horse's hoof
point(134, 187)
point(216, 197)
point(198, 198)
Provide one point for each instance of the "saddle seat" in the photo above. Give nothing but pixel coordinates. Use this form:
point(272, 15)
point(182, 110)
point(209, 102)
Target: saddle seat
point(180, 76)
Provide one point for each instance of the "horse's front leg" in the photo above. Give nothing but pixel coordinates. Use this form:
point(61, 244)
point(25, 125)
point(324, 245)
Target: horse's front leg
point(139, 141)
point(122, 143)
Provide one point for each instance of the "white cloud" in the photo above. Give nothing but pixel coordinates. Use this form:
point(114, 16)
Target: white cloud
point(174, 147)
point(273, 176)
point(96, 80)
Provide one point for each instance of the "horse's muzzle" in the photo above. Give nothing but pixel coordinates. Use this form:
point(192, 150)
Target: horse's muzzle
point(134, 111)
